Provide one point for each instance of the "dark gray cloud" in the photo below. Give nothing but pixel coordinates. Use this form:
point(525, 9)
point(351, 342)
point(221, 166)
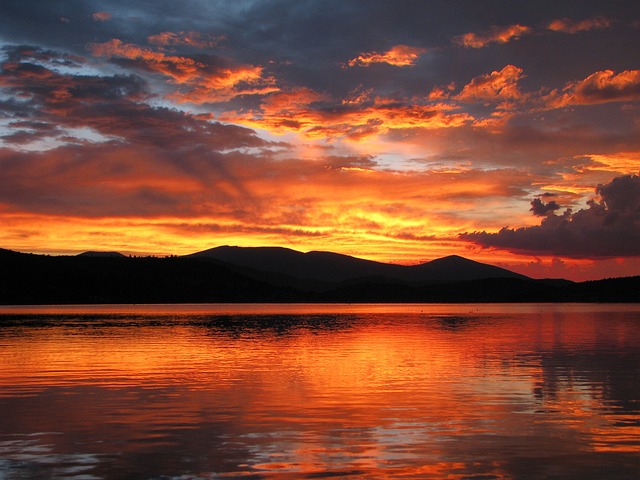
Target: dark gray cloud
point(531, 142)
point(608, 228)
point(305, 42)
point(113, 105)
point(31, 73)
point(24, 132)
point(133, 159)
point(541, 209)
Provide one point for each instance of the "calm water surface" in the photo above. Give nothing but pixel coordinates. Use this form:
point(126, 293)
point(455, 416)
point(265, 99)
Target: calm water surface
point(314, 391)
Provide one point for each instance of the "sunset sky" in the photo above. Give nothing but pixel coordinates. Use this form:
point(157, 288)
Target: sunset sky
point(507, 132)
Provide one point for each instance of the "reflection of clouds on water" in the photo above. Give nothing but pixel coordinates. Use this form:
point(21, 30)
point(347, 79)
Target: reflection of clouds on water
point(595, 357)
point(442, 394)
point(30, 456)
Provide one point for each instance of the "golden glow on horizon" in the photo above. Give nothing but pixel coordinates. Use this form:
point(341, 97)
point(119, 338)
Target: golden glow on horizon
point(178, 236)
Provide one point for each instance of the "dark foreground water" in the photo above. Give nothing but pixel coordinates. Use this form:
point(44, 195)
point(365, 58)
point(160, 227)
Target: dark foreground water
point(290, 391)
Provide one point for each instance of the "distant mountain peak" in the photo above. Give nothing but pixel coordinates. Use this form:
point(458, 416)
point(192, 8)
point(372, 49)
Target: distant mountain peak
point(94, 253)
point(457, 268)
point(455, 261)
point(452, 258)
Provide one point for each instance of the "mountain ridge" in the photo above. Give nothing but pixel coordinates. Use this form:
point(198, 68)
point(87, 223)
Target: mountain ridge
point(335, 267)
point(29, 279)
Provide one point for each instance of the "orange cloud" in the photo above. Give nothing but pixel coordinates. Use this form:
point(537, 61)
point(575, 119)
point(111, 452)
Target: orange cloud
point(180, 69)
point(619, 162)
point(171, 200)
point(290, 110)
point(398, 56)
point(495, 35)
point(498, 85)
point(101, 16)
point(192, 39)
point(601, 87)
point(567, 25)
point(442, 92)
point(205, 82)
point(317, 116)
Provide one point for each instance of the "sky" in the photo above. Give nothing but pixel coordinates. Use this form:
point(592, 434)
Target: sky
point(397, 131)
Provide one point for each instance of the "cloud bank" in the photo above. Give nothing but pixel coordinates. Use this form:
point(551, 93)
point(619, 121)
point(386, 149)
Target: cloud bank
point(609, 228)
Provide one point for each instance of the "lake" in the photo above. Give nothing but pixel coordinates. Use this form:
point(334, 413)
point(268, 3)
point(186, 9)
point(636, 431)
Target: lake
point(515, 391)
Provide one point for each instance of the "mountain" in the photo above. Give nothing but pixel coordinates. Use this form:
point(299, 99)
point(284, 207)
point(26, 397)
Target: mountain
point(456, 269)
point(100, 254)
point(322, 266)
point(44, 279)
point(333, 267)
point(232, 274)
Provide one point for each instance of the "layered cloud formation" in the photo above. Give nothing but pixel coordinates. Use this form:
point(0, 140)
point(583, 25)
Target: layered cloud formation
point(199, 80)
point(609, 227)
point(402, 131)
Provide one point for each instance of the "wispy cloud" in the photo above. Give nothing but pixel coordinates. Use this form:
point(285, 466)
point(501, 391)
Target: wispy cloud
point(191, 39)
point(101, 16)
point(567, 25)
point(495, 35)
point(207, 79)
point(398, 56)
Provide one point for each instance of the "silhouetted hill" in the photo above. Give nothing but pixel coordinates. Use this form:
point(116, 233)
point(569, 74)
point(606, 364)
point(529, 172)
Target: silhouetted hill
point(456, 269)
point(322, 266)
point(44, 279)
point(333, 267)
point(100, 254)
point(624, 289)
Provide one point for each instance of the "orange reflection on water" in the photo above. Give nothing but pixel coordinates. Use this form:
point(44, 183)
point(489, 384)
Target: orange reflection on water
point(441, 394)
